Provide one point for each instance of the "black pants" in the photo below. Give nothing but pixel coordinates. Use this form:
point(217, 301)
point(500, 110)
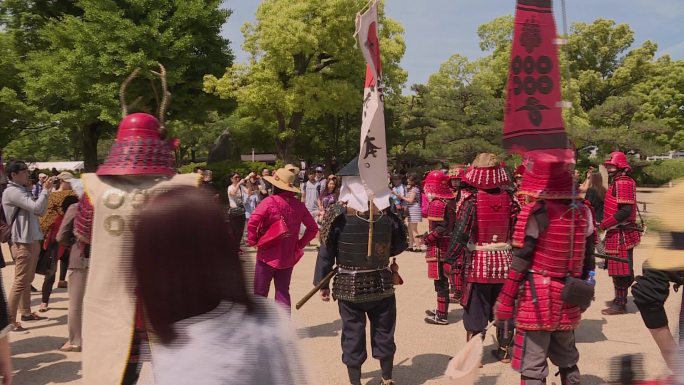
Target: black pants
point(383, 319)
point(63, 266)
point(480, 309)
point(49, 281)
point(650, 293)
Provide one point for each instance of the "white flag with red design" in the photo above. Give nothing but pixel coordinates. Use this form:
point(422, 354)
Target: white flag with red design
point(373, 148)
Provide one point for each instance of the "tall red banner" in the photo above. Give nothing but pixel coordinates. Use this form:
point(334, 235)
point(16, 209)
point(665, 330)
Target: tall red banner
point(533, 119)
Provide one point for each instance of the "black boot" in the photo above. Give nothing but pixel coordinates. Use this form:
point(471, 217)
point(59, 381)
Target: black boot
point(354, 375)
point(504, 337)
point(386, 366)
point(570, 376)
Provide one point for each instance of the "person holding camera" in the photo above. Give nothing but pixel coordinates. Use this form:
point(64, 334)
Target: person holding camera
point(22, 213)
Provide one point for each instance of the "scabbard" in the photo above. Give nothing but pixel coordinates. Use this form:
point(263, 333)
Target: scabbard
point(533, 289)
point(316, 288)
point(612, 258)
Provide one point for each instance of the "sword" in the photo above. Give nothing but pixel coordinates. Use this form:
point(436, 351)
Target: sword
point(316, 288)
point(611, 258)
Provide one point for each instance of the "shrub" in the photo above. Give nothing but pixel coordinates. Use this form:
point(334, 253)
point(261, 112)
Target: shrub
point(659, 172)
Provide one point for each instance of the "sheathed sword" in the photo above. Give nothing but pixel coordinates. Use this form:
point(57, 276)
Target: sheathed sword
point(316, 288)
point(611, 258)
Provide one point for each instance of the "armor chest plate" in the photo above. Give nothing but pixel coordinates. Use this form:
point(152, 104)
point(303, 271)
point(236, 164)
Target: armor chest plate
point(353, 243)
point(493, 218)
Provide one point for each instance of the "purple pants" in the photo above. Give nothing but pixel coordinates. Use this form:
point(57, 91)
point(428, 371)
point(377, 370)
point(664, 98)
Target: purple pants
point(264, 274)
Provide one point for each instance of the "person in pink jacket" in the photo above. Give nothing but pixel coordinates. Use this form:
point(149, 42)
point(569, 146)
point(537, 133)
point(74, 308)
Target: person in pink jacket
point(276, 262)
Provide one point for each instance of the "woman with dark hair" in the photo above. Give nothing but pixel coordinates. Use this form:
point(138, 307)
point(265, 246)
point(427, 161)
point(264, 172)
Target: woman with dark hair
point(596, 194)
point(328, 196)
point(413, 201)
point(209, 329)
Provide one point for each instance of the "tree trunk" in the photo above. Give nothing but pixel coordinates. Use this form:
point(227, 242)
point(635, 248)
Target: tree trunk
point(91, 135)
point(285, 147)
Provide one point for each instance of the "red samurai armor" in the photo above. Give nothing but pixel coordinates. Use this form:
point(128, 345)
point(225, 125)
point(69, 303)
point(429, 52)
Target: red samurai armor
point(492, 251)
point(625, 235)
point(550, 265)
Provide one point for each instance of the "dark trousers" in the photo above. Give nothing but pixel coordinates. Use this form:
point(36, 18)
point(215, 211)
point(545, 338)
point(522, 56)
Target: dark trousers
point(383, 319)
point(49, 281)
point(64, 266)
point(480, 309)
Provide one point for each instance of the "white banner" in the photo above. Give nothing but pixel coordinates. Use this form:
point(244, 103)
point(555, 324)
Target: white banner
point(373, 147)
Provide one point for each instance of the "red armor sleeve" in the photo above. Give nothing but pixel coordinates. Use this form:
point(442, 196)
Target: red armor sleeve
point(83, 223)
point(436, 215)
point(465, 221)
point(625, 190)
point(509, 292)
point(521, 223)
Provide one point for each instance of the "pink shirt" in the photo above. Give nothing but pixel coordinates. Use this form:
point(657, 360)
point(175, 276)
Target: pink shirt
point(286, 254)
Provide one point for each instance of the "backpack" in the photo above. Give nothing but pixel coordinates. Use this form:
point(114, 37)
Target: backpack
point(5, 227)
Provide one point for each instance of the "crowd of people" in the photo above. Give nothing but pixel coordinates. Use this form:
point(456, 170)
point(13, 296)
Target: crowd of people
point(515, 252)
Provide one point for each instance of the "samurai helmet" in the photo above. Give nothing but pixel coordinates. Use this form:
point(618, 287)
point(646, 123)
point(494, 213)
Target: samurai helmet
point(140, 147)
point(619, 160)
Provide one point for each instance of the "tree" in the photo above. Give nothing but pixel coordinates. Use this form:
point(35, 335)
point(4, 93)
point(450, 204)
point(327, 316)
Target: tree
point(76, 73)
point(305, 65)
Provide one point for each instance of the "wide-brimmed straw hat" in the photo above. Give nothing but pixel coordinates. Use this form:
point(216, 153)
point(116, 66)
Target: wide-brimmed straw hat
point(283, 179)
point(668, 212)
point(65, 176)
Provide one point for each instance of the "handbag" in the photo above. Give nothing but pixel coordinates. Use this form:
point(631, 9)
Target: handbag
point(577, 292)
point(47, 260)
point(276, 231)
point(6, 228)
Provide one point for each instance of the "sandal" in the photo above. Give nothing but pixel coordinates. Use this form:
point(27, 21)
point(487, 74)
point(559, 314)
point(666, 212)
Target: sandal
point(70, 348)
point(32, 317)
point(16, 327)
point(43, 308)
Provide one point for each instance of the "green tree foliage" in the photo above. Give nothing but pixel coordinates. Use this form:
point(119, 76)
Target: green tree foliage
point(622, 96)
point(305, 67)
point(75, 61)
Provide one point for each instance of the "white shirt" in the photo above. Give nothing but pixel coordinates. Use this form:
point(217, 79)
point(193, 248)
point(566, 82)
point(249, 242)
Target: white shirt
point(228, 346)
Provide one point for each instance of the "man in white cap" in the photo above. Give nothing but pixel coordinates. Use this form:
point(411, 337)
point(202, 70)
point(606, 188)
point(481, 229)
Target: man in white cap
point(38, 186)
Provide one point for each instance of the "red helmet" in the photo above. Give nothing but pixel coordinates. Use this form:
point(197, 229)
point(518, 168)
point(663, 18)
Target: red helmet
point(437, 185)
point(139, 149)
point(619, 160)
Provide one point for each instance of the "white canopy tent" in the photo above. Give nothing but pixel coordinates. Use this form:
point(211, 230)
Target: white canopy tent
point(60, 166)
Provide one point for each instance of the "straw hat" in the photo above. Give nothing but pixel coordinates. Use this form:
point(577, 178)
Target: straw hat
point(65, 176)
point(284, 179)
point(292, 168)
point(669, 212)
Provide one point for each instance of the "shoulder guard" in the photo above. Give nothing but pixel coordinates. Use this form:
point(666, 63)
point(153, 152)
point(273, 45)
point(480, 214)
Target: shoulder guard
point(331, 213)
point(436, 209)
point(521, 223)
point(625, 190)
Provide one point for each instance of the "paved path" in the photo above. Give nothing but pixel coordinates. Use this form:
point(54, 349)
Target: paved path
point(422, 350)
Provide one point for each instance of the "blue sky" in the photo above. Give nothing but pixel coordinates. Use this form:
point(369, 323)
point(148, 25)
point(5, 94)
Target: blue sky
point(437, 29)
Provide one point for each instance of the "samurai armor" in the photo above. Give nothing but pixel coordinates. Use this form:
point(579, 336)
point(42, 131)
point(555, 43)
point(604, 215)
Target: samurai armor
point(362, 286)
point(491, 257)
point(353, 243)
point(541, 307)
point(625, 235)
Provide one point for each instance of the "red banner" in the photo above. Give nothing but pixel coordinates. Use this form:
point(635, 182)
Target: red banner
point(532, 115)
